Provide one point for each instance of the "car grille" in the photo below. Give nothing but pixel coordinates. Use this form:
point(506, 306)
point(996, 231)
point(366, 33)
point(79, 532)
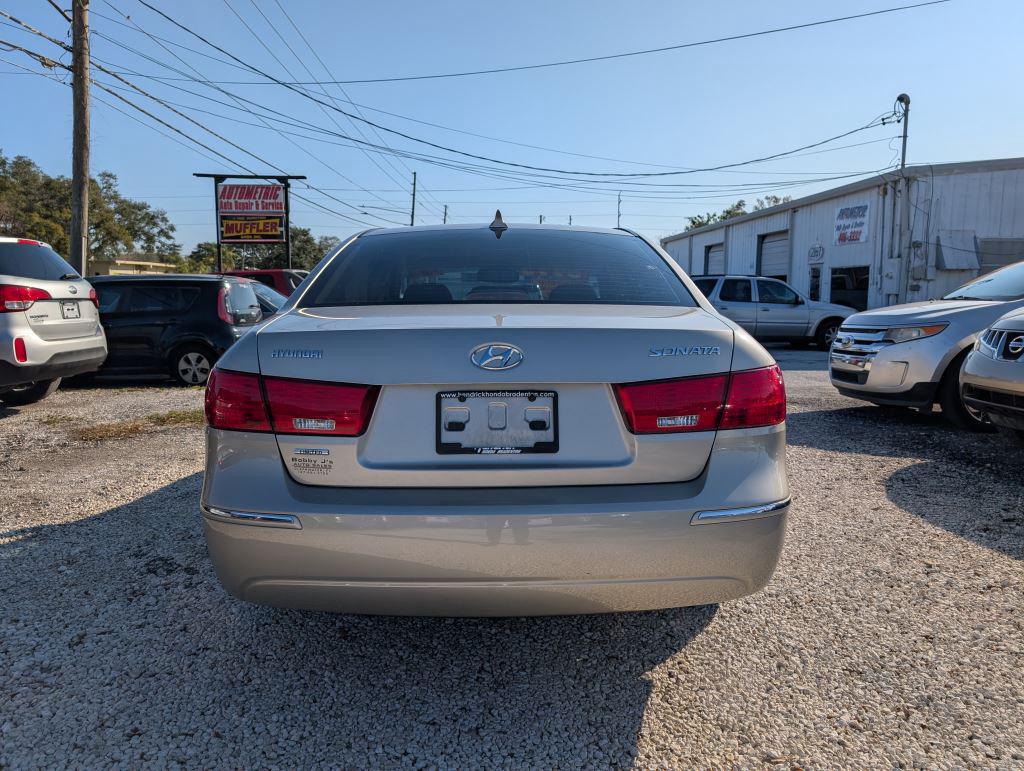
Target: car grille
point(844, 376)
point(859, 340)
point(998, 341)
point(994, 401)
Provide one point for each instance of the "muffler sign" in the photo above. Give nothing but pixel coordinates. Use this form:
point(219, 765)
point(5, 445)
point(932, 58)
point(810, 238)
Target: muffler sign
point(251, 214)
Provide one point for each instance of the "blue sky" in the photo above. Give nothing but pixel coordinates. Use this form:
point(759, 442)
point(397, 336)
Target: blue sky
point(960, 62)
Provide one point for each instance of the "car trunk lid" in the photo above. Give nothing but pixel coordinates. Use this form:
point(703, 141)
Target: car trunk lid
point(421, 358)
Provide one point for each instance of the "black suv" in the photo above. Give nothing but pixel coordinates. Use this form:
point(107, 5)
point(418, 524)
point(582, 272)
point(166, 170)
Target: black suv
point(172, 324)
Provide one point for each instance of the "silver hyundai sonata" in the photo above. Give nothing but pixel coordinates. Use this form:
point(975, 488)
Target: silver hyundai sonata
point(491, 421)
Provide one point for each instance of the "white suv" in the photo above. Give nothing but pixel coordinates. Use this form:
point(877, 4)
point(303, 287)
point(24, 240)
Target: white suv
point(49, 324)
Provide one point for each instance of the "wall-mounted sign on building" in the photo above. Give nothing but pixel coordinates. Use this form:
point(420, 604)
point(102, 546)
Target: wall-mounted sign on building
point(816, 254)
point(251, 214)
point(852, 224)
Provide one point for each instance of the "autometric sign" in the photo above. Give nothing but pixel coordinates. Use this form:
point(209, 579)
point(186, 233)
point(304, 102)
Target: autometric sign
point(251, 214)
point(852, 224)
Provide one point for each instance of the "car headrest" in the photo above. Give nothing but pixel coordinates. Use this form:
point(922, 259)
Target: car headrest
point(572, 293)
point(427, 293)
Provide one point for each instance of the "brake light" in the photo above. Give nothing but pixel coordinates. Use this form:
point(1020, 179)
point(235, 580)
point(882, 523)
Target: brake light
point(20, 298)
point(671, 406)
point(327, 409)
point(94, 298)
point(757, 397)
point(20, 353)
point(223, 312)
point(30, 242)
point(234, 401)
point(739, 400)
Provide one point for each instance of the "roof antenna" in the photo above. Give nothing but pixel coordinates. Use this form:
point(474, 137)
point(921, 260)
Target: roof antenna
point(498, 226)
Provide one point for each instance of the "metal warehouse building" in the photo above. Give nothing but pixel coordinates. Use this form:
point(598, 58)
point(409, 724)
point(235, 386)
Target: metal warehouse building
point(895, 237)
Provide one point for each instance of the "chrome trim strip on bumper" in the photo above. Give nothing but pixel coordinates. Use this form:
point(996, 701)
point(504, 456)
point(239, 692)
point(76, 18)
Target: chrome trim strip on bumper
point(253, 518)
point(735, 515)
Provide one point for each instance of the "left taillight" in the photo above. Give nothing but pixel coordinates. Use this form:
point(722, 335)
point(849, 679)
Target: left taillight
point(20, 298)
point(234, 401)
point(747, 399)
point(323, 409)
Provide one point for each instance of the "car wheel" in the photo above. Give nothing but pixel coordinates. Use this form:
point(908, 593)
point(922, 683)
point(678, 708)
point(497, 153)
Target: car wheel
point(826, 334)
point(30, 393)
point(953, 407)
point(191, 364)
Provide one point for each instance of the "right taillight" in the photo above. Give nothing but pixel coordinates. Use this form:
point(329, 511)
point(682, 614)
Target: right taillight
point(240, 401)
point(671, 406)
point(234, 401)
point(20, 298)
point(757, 397)
point(738, 400)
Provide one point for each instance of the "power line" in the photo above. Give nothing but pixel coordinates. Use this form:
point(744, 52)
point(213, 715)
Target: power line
point(478, 157)
point(605, 57)
point(344, 94)
point(308, 185)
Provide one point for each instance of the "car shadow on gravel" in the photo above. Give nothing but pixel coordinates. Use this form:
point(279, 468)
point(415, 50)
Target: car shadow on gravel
point(967, 484)
point(123, 648)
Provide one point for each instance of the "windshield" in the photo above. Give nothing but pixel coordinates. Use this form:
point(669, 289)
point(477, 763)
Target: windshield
point(470, 266)
point(1004, 284)
point(268, 297)
point(33, 261)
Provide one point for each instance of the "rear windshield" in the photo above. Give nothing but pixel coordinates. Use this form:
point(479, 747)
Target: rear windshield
point(33, 261)
point(1004, 284)
point(524, 266)
point(242, 303)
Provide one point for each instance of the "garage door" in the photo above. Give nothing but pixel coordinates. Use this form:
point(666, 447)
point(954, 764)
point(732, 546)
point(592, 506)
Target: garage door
point(714, 259)
point(774, 260)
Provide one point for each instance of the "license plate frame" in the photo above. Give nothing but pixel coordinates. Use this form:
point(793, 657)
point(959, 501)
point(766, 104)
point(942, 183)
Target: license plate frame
point(69, 309)
point(519, 399)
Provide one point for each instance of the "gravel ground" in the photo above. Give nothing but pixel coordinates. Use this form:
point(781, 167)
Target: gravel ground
point(891, 635)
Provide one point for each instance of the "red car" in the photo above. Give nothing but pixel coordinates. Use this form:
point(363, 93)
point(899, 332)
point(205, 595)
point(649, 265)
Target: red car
point(281, 279)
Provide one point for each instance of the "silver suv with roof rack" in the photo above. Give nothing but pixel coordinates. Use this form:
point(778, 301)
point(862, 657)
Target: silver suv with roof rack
point(910, 355)
point(49, 322)
point(771, 309)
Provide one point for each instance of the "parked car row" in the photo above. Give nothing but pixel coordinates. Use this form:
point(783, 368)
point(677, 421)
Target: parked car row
point(55, 325)
point(961, 352)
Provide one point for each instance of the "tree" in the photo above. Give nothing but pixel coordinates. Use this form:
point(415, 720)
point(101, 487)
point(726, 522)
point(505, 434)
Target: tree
point(737, 209)
point(35, 205)
point(307, 251)
point(771, 200)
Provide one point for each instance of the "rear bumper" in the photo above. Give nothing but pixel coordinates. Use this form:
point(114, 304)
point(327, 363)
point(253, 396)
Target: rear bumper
point(67, 363)
point(496, 551)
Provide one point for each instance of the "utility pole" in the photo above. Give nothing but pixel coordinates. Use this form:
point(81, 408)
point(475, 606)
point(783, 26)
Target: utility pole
point(618, 212)
point(80, 135)
point(444, 220)
point(412, 216)
point(904, 100)
point(906, 236)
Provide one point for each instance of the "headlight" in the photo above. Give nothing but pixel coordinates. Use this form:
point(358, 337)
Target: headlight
point(906, 334)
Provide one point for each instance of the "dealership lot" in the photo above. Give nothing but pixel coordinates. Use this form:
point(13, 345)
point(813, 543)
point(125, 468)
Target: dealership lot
point(892, 632)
